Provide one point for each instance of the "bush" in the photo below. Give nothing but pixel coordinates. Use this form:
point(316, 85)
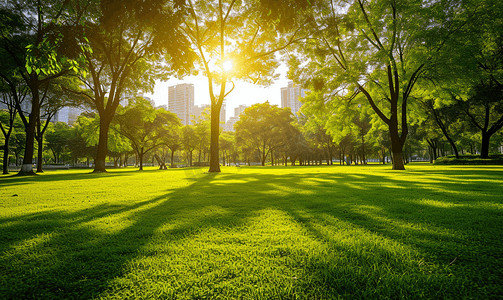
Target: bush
point(471, 159)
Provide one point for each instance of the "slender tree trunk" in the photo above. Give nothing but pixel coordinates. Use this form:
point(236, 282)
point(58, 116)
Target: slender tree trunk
point(101, 154)
point(40, 159)
point(215, 132)
point(172, 159)
point(6, 156)
point(140, 157)
point(364, 160)
point(27, 167)
point(199, 159)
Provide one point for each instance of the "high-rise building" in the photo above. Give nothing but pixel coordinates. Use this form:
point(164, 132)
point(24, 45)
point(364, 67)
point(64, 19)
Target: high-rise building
point(67, 114)
point(181, 101)
point(238, 110)
point(290, 96)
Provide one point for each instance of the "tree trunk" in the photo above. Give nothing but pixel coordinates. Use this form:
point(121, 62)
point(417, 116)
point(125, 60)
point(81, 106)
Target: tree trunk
point(484, 149)
point(40, 160)
point(199, 159)
point(364, 160)
point(27, 167)
point(397, 156)
point(101, 154)
point(396, 148)
point(6, 156)
point(140, 158)
point(215, 132)
point(172, 159)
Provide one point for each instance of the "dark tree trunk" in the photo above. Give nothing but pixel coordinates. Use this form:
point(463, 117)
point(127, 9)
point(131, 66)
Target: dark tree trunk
point(364, 160)
point(215, 132)
point(101, 154)
point(40, 159)
point(140, 158)
point(484, 149)
point(172, 159)
point(27, 167)
point(200, 147)
point(6, 156)
point(396, 148)
point(446, 134)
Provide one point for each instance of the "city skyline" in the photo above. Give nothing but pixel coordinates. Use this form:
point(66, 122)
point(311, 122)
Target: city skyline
point(244, 93)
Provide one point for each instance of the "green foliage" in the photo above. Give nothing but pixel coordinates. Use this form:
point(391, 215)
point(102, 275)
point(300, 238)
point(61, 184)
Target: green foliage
point(495, 159)
point(246, 33)
point(264, 127)
point(57, 139)
point(144, 126)
point(254, 233)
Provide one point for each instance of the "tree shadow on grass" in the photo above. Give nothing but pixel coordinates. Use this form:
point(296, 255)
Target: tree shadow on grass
point(379, 237)
point(452, 235)
point(58, 255)
point(54, 177)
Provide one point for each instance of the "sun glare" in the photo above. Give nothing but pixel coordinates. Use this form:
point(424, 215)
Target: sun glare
point(227, 65)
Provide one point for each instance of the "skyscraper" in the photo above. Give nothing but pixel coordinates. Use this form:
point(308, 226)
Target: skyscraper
point(238, 110)
point(290, 96)
point(181, 101)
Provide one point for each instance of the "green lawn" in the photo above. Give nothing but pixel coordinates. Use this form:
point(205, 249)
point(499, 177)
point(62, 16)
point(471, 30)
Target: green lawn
point(359, 232)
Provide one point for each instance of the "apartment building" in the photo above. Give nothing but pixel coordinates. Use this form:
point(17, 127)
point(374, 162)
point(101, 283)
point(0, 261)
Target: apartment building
point(181, 101)
point(291, 95)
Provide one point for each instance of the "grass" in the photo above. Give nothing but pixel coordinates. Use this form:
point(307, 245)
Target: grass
point(358, 232)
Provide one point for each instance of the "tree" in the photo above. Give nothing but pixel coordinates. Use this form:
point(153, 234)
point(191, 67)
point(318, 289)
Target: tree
point(468, 77)
point(53, 99)
point(8, 117)
point(202, 131)
point(295, 144)
point(264, 127)
point(41, 46)
point(143, 125)
point(373, 50)
point(57, 140)
point(246, 35)
point(443, 118)
point(227, 142)
point(18, 140)
point(130, 44)
point(189, 141)
point(77, 144)
point(173, 140)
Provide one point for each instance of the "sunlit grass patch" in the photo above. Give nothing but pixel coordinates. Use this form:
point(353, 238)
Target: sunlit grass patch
point(321, 232)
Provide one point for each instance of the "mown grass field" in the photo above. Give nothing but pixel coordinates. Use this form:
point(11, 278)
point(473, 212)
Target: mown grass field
point(359, 232)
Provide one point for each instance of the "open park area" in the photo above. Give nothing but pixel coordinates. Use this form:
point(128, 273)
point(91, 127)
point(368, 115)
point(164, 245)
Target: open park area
point(317, 232)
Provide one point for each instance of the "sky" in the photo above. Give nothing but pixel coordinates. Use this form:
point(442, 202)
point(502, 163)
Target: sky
point(244, 93)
